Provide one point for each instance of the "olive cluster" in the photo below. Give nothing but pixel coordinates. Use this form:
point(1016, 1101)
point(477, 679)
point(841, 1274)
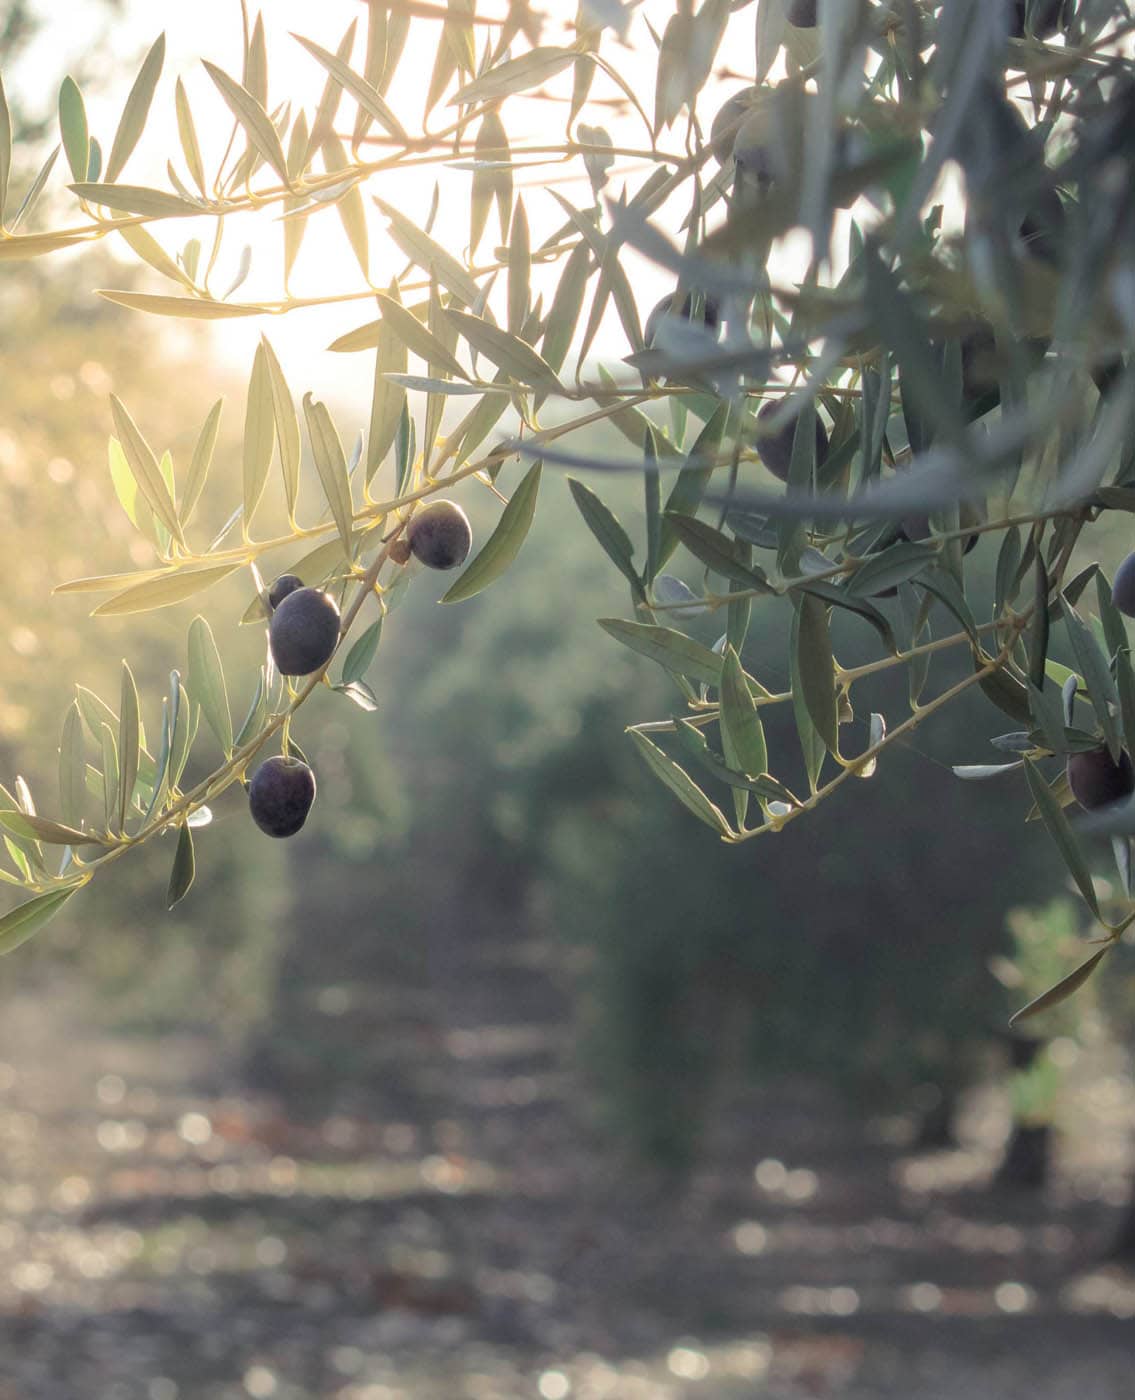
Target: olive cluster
point(303, 632)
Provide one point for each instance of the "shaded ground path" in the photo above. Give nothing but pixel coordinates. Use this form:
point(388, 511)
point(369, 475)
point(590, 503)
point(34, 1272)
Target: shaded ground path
point(164, 1237)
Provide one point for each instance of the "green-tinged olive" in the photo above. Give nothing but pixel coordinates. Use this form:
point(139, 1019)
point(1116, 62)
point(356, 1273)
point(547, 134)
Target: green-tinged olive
point(439, 535)
point(775, 449)
point(802, 14)
point(304, 632)
point(1123, 589)
point(280, 795)
point(753, 145)
point(709, 315)
point(727, 122)
point(285, 584)
point(1096, 779)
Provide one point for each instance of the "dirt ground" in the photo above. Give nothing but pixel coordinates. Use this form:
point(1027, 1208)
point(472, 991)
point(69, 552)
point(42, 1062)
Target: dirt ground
point(164, 1236)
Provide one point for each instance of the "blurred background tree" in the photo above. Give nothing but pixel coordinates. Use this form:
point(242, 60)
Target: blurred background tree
point(857, 952)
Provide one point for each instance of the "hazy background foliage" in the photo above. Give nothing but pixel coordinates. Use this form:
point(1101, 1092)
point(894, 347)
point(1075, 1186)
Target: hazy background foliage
point(493, 801)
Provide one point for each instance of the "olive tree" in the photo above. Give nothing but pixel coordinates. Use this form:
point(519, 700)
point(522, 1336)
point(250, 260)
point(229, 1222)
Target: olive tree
point(946, 366)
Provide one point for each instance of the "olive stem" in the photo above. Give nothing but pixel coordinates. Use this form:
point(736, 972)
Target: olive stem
point(224, 776)
point(852, 767)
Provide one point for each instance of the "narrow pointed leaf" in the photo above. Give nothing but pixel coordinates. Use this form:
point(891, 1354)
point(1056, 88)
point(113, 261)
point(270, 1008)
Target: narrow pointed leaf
point(508, 352)
point(1067, 843)
point(46, 243)
point(361, 654)
point(129, 745)
point(5, 149)
point(73, 128)
point(743, 737)
point(519, 270)
point(945, 587)
point(259, 430)
point(387, 400)
point(207, 682)
point(184, 867)
point(716, 551)
point(252, 116)
point(816, 667)
point(422, 342)
point(186, 308)
point(1062, 990)
point(187, 134)
point(536, 66)
point(1038, 629)
point(672, 650)
point(287, 426)
point(563, 315)
point(331, 465)
point(21, 923)
point(294, 229)
point(332, 94)
point(680, 784)
point(136, 199)
point(109, 777)
point(896, 564)
point(360, 694)
point(72, 768)
point(429, 255)
point(30, 827)
point(979, 771)
point(503, 545)
point(200, 461)
point(145, 469)
point(1111, 619)
point(257, 710)
point(1097, 675)
point(1004, 689)
point(607, 530)
point(133, 120)
point(689, 486)
point(370, 100)
point(185, 719)
point(151, 252)
point(161, 592)
point(349, 206)
point(652, 499)
point(491, 182)
point(1125, 685)
point(693, 742)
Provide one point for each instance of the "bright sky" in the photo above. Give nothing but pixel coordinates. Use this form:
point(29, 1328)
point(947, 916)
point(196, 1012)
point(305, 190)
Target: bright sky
point(212, 29)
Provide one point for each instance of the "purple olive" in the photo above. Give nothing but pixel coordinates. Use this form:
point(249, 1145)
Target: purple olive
point(280, 795)
point(1097, 780)
point(775, 449)
point(1123, 589)
point(304, 632)
point(439, 535)
point(709, 317)
point(285, 584)
point(730, 115)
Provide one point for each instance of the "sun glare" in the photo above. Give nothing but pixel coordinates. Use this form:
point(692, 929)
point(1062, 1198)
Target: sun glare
point(326, 266)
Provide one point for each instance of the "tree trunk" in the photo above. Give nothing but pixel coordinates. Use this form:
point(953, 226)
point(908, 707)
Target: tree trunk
point(1123, 1250)
point(1028, 1157)
point(936, 1125)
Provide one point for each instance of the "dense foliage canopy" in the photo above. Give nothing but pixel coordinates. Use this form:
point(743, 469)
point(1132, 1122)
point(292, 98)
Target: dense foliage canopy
point(899, 332)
